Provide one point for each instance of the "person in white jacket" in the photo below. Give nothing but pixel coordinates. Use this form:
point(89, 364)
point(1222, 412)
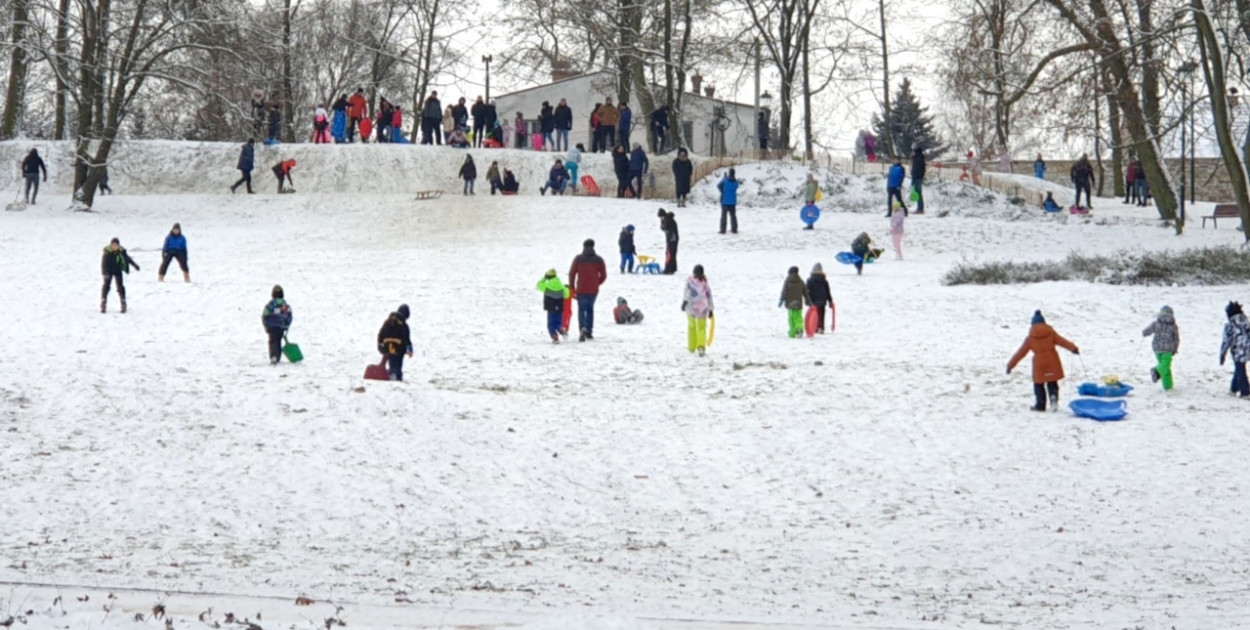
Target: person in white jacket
point(697, 303)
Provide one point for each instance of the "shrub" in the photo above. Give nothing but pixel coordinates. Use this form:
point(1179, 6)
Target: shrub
point(1208, 266)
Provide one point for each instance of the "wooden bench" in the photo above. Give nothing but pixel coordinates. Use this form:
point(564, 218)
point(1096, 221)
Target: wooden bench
point(1222, 211)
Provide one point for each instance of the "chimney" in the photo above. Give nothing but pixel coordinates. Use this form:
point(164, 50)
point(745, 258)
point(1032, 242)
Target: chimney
point(695, 82)
point(561, 69)
point(709, 91)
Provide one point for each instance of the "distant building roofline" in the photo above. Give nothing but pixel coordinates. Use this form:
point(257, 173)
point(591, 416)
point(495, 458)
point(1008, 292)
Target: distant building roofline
point(594, 73)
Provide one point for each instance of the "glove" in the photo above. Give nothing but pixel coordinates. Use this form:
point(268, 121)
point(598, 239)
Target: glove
point(1008, 370)
point(780, 303)
point(711, 314)
point(683, 306)
point(1221, 357)
point(1077, 351)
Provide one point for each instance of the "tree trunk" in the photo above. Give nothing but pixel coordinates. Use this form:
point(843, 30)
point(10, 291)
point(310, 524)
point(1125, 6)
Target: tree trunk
point(288, 82)
point(674, 114)
point(1115, 126)
point(92, 35)
point(1150, 69)
point(1102, 172)
point(1213, 71)
point(15, 95)
point(808, 154)
point(888, 141)
point(61, 62)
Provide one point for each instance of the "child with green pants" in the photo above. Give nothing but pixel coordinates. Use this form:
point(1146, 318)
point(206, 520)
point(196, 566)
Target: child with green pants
point(1167, 340)
point(794, 296)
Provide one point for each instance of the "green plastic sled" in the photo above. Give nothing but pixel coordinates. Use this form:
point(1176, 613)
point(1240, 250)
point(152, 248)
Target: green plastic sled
point(291, 351)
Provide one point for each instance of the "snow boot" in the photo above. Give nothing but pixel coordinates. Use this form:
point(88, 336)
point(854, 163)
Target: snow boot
point(555, 339)
point(160, 277)
point(1154, 375)
point(1054, 402)
point(584, 336)
point(123, 306)
point(186, 276)
point(104, 306)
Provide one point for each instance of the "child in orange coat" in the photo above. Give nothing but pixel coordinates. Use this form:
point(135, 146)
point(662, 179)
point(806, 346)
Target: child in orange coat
point(1047, 369)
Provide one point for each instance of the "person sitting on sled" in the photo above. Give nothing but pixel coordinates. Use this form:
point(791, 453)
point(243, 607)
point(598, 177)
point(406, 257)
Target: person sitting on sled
point(625, 315)
point(1050, 205)
point(1047, 368)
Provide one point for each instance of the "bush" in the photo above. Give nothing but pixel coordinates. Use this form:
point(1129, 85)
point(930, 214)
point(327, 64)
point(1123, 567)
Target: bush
point(1209, 266)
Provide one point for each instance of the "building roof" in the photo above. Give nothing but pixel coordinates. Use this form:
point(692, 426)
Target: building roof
point(586, 75)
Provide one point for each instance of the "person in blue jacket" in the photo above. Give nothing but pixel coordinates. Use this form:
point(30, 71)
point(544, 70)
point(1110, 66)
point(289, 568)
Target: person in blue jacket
point(557, 179)
point(638, 166)
point(1039, 167)
point(276, 319)
point(728, 188)
point(894, 187)
point(247, 162)
point(175, 249)
point(625, 124)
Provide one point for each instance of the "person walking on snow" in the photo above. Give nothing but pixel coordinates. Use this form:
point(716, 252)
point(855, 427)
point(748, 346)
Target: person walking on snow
point(668, 223)
point(276, 318)
point(32, 164)
point(175, 248)
point(554, 294)
point(492, 178)
point(1166, 342)
point(696, 302)
point(1047, 368)
point(1039, 167)
point(728, 187)
point(113, 265)
point(821, 296)
point(247, 162)
point(394, 341)
point(1237, 341)
point(794, 296)
point(468, 172)
point(918, 167)
point(564, 123)
point(626, 243)
point(894, 187)
point(639, 165)
point(896, 231)
point(1083, 178)
point(683, 171)
point(586, 275)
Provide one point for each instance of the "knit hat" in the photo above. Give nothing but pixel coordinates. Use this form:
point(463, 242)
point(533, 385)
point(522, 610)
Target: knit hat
point(115, 240)
point(629, 228)
point(178, 226)
point(794, 270)
point(403, 311)
point(818, 269)
point(588, 243)
point(660, 212)
point(551, 273)
point(1233, 309)
point(277, 291)
point(620, 300)
point(698, 270)
point(1037, 318)
point(1167, 310)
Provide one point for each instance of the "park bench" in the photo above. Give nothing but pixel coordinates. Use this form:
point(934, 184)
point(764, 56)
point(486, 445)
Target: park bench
point(1222, 211)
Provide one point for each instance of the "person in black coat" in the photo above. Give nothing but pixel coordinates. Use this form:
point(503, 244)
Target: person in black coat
point(659, 129)
point(620, 164)
point(818, 290)
point(917, 178)
point(628, 251)
point(247, 162)
point(761, 132)
point(113, 264)
point(564, 123)
point(668, 223)
point(394, 341)
point(479, 120)
point(547, 123)
point(275, 123)
point(683, 170)
point(31, 166)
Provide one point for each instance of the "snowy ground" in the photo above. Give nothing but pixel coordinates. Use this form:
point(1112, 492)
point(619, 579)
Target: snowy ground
point(885, 476)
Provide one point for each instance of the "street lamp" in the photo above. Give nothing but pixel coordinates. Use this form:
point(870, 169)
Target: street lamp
point(1187, 69)
point(486, 59)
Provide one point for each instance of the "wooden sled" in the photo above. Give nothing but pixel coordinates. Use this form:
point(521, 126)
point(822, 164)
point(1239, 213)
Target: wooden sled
point(423, 195)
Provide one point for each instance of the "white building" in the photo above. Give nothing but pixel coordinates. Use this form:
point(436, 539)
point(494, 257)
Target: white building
point(714, 126)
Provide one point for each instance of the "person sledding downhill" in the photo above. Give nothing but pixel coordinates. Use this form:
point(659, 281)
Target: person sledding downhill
point(1237, 341)
point(1047, 368)
point(623, 314)
point(276, 318)
point(586, 274)
point(554, 295)
point(1167, 340)
point(394, 341)
point(113, 265)
point(794, 296)
point(696, 302)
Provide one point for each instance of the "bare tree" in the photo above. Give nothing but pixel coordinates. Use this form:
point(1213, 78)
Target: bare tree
point(15, 94)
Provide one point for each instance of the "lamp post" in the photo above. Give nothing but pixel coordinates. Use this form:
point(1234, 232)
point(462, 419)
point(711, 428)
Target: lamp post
point(486, 59)
point(1186, 68)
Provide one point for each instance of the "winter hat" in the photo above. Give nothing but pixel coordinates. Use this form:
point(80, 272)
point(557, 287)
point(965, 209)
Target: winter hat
point(277, 291)
point(1037, 318)
point(732, 175)
point(116, 241)
point(1167, 310)
point(177, 226)
point(588, 243)
point(403, 311)
point(551, 273)
point(698, 270)
point(794, 270)
point(1233, 309)
point(629, 228)
point(620, 300)
point(818, 269)
point(660, 212)
point(897, 205)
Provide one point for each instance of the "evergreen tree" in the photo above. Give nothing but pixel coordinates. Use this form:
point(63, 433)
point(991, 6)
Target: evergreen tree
point(911, 125)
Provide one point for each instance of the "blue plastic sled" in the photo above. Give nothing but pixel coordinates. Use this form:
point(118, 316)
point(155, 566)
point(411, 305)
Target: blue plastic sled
point(810, 214)
point(1100, 410)
point(1105, 391)
point(338, 128)
point(847, 258)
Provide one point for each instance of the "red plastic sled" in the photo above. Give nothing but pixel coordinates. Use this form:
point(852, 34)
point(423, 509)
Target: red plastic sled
point(377, 372)
point(366, 128)
point(568, 309)
point(592, 188)
point(811, 321)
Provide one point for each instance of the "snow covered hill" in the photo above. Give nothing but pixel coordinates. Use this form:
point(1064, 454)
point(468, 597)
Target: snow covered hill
point(888, 475)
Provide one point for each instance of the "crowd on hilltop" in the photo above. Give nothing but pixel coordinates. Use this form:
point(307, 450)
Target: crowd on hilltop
point(350, 120)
